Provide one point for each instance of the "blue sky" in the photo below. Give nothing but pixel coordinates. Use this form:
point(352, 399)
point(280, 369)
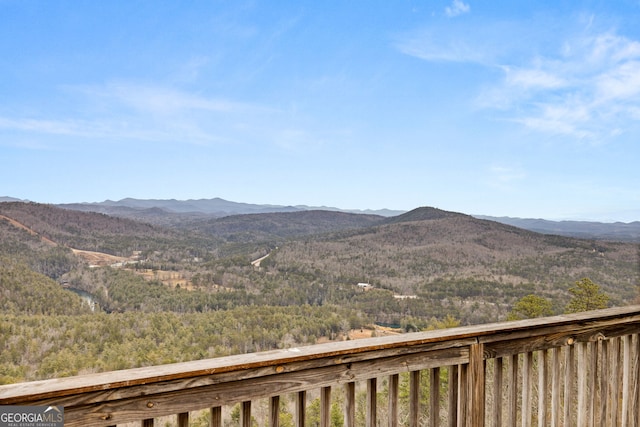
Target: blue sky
point(506, 108)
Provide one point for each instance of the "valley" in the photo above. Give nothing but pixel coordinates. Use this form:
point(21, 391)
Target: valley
point(427, 269)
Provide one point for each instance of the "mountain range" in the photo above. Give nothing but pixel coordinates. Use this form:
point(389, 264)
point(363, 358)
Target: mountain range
point(440, 262)
point(171, 212)
point(188, 276)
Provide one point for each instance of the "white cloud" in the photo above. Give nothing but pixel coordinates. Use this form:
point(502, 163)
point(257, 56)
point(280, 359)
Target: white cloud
point(159, 99)
point(532, 78)
point(129, 111)
point(589, 91)
point(573, 79)
point(465, 42)
point(458, 7)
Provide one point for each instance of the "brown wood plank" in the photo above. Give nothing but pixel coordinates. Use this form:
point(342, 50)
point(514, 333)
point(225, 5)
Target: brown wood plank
point(582, 390)
point(603, 384)
point(371, 419)
point(635, 379)
point(394, 381)
point(414, 398)
point(615, 380)
point(452, 397)
point(496, 410)
point(183, 419)
point(350, 404)
point(543, 385)
point(216, 416)
point(569, 379)
point(434, 397)
point(477, 384)
point(463, 396)
point(512, 388)
point(147, 423)
point(301, 407)
point(245, 414)
point(555, 388)
point(235, 391)
point(325, 407)
point(592, 370)
point(361, 370)
point(626, 379)
point(527, 384)
point(214, 370)
point(274, 411)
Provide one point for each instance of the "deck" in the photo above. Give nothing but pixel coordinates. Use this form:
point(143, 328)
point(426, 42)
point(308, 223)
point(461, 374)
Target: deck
point(571, 370)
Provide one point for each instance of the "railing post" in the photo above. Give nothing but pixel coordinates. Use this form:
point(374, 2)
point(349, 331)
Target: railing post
point(350, 404)
point(393, 400)
point(582, 411)
point(216, 416)
point(569, 379)
point(463, 396)
point(414, 398)
point(434, 404)
point(512, 379)
point(543, 383)
point(453, 396)
point(527, 386)
point(301, 406)
point(325, 407)
point(592, 360)
point(372, 396)
point(497, 392)
point(614, 375)
point(626, 378)
point(555, 387)
point(603, 380)
point(183, 419)
point(245, 414)
point(274, 411)
point(476, 384)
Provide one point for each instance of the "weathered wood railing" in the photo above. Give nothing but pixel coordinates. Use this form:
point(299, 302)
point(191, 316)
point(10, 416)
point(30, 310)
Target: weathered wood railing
point(572, 370)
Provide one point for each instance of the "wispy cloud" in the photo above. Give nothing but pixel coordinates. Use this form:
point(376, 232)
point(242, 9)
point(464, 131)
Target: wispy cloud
point(129, 111)
point(159, 99)
point(458, 7)
point(457, 41)
point(589, 91)
point(584, 84)
point(428, 45)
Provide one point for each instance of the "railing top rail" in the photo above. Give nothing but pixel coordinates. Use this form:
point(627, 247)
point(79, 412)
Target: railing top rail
point(450, 338)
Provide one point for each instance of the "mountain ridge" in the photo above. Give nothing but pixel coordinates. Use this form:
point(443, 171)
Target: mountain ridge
point(452, 262)
point(173, 211)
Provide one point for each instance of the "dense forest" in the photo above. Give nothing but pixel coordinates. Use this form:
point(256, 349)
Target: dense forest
point(196, 290)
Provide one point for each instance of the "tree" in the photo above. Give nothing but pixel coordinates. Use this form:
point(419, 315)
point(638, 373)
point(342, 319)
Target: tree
point(586, 296)
point(529, 307)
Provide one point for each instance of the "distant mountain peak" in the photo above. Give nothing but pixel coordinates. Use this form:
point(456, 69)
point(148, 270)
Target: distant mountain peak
point(424, 213)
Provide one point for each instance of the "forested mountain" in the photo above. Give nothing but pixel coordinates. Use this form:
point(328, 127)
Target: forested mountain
point(458, 264)
point(164, 211)
point(278, 226)
point(302, 268)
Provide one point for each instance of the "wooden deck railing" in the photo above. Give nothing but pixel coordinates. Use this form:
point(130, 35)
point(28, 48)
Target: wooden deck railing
point(572, 370)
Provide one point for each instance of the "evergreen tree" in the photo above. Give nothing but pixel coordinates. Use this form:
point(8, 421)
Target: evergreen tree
point(586, 296)
point(529, 307)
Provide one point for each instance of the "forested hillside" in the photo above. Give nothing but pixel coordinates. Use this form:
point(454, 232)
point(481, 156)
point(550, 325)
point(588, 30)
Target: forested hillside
point(197, 289)
point(456, 264)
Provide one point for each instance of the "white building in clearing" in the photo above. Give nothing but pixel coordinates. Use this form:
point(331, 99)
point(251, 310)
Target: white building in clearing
point(364, 286)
